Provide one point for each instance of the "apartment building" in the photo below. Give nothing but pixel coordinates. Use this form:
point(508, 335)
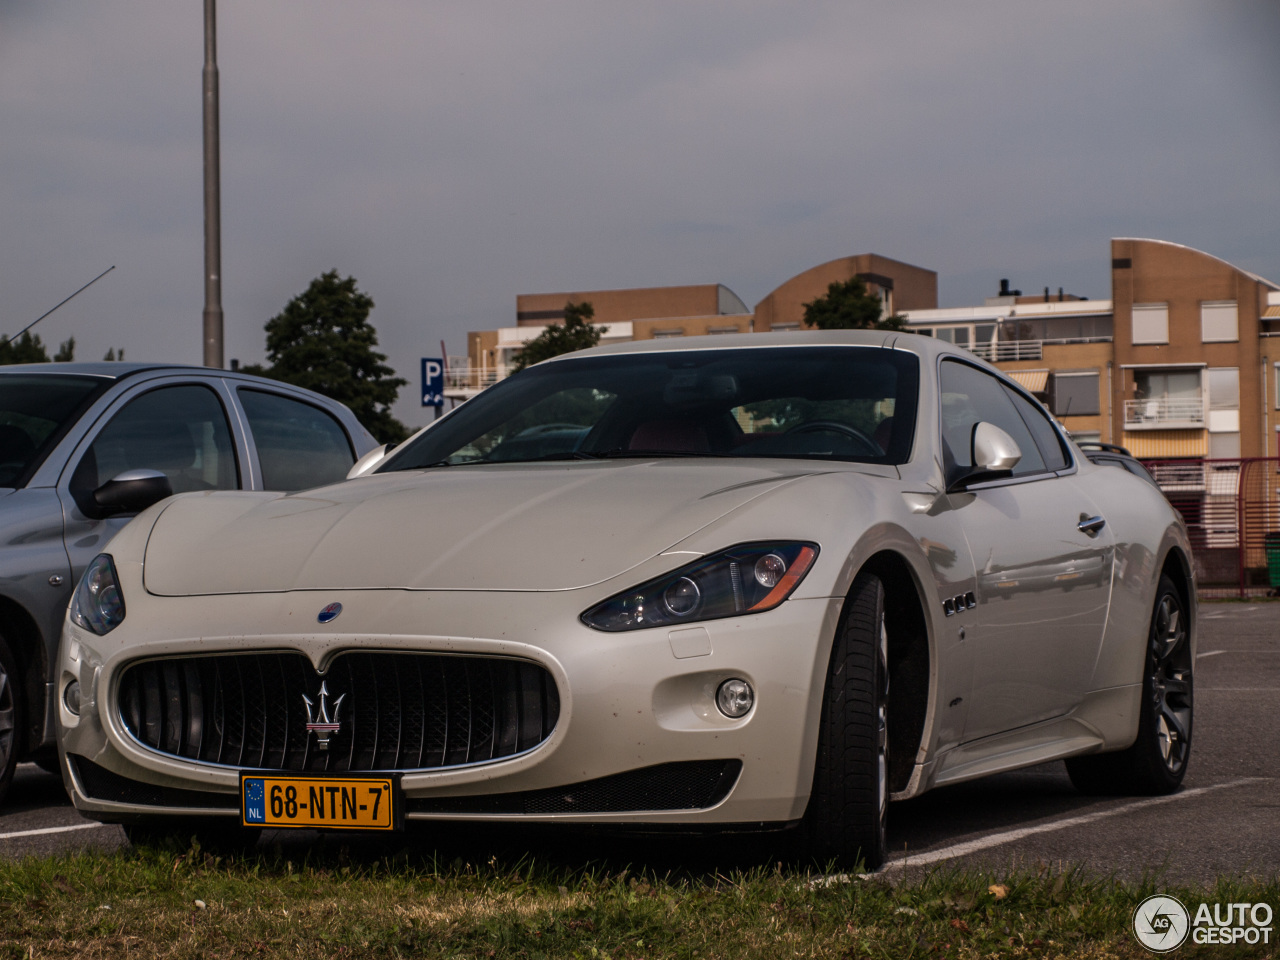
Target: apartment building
point(1179, 363)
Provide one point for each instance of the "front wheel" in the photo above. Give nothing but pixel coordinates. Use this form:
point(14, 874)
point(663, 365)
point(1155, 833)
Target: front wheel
point(11, 716)
point(845, 820)
point(1157, 760)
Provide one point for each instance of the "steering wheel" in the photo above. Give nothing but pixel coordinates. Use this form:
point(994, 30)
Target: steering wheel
point(834, 426)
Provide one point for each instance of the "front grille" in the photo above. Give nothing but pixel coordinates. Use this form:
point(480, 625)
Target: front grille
point(99, 783)
point(687, 785)
point(398, 711)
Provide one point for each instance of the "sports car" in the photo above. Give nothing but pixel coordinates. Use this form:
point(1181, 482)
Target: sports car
point(732, 582)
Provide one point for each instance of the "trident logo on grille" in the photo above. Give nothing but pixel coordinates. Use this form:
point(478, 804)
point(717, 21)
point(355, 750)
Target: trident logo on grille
point(321, 724)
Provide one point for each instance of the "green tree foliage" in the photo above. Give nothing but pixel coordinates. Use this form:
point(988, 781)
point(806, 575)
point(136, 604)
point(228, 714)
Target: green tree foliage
point(323, 341)
point(30, 349)
point(574, 334)
point(112, 355)
point(848, 306)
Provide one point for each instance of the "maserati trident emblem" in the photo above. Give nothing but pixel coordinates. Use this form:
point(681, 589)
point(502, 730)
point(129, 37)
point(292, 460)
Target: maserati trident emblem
point(329, 613)
point(320, 722)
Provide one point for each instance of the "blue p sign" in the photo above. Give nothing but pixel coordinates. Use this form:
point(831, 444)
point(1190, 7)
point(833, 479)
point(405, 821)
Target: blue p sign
point(432, 382)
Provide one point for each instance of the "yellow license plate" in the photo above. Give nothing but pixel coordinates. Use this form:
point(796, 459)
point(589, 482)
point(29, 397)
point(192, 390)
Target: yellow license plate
point(345, 803)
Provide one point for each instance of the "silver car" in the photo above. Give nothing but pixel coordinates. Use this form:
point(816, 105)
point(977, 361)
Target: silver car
point(82, 450)
point(713, 583)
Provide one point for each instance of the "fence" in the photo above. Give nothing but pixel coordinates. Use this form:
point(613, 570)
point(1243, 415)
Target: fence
point(1232, 511)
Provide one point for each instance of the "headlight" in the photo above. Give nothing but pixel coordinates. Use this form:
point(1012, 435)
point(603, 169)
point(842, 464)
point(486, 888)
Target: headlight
point(748, 578)
point(98, 604)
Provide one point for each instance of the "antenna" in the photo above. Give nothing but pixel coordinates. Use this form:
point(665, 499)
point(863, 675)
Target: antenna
point(47, 312)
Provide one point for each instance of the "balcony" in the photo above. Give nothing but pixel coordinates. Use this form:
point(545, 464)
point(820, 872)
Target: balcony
point(1166, 413)
point(463, 379)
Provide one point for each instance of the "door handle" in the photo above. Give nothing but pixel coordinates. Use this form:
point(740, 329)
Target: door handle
point(1091, 525)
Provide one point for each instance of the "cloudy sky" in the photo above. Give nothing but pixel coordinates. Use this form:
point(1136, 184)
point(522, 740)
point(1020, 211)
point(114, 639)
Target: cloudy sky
point(453, 154)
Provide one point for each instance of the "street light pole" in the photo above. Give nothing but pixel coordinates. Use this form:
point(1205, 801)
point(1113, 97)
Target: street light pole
point(212, 198)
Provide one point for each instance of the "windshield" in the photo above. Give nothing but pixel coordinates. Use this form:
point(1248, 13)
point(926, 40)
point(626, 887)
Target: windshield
point(829, 403)
point(35, 411)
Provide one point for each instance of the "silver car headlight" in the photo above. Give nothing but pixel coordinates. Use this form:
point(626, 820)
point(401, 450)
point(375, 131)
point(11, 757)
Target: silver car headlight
point(98, 604)
point(748, 578)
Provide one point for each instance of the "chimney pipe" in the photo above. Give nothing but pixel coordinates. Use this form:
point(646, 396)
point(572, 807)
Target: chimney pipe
point(1004, 287)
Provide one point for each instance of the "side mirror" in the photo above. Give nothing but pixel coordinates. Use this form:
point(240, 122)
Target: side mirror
point(994, 450)
point(994, 454)
point(132, 491)
point(369, 461)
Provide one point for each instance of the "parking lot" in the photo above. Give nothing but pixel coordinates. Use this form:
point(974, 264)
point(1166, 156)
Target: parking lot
point(1226, 819)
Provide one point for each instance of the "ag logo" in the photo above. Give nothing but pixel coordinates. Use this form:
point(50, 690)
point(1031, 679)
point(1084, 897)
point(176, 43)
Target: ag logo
point(1161, 923)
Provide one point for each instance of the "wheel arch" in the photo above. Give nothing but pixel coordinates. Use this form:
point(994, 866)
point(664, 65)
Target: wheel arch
point(910, 663)
point(26, 643)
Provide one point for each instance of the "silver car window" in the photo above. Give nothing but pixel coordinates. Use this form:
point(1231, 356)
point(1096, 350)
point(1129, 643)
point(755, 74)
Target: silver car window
point(180, 430)
point(970, 396)
point(299, 446)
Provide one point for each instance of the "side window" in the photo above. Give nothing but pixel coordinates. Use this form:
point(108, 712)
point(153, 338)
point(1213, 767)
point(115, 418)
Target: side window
point(970, 396)
point(1047, 439)
point(299, 446)
point(181, 431)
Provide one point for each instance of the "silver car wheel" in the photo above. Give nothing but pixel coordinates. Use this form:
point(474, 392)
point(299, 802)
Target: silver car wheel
point(1171, 682)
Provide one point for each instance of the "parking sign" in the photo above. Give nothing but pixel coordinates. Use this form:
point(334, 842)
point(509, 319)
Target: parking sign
point(432, 382)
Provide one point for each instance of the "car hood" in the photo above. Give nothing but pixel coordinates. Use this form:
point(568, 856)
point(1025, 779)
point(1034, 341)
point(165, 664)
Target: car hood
point(494, 527)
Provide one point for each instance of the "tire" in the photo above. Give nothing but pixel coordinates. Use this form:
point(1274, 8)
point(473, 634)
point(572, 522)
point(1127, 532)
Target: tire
point(12, 714)
point(1157, 760)
point(845, 820)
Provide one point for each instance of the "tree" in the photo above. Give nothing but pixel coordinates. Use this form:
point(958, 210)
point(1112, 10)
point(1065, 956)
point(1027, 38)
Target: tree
point(112, 356)
point(323, 341)
point(30, 349)
point(848, 306)
point(574, 334)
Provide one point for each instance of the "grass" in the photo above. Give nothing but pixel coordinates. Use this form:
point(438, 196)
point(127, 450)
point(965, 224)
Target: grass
point(157, 902)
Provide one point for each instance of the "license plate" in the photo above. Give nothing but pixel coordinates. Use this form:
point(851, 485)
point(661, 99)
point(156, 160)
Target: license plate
point(343, 803)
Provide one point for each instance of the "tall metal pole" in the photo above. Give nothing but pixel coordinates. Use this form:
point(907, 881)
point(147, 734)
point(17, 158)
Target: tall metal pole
point(212, 197)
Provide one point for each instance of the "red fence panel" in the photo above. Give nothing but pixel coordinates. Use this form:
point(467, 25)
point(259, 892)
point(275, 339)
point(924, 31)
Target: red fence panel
point(1232, 511)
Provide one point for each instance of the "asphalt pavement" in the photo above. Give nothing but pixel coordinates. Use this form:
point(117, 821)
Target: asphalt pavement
point(1225, 820)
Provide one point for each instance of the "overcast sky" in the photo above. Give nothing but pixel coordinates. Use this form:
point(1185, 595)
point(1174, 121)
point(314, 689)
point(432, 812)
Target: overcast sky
point(450, 155)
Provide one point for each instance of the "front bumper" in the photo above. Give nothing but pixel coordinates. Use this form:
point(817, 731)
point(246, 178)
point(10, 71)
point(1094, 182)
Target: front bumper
point(629, 702)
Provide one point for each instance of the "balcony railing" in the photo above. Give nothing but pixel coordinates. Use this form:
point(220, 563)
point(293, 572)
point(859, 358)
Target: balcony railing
point(464, 379)
point(997, 351)
point(1164, 413)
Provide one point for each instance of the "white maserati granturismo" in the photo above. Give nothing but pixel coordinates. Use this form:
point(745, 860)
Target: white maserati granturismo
point(724, 582)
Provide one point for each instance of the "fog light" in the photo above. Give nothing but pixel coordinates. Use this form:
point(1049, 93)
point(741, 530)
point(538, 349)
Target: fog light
point(71, 697)
point(734, 698)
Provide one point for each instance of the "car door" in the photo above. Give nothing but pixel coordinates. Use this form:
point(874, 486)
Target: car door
point(1043, 557)
point(179, 427)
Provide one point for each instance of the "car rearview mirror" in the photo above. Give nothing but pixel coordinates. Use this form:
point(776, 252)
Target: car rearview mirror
point(993, 454)
point(993, 449)
point(132, 491)
point(369, 462)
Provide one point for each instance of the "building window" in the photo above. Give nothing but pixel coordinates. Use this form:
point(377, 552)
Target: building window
point(1223, 384)
point(1276, 379)
point(1150, 323)
point(1219, 321)
point(1165, 398)
point(785, 327)
point(1074, 394)
point(714, 330)
point(1224, 446)
point(667, 334)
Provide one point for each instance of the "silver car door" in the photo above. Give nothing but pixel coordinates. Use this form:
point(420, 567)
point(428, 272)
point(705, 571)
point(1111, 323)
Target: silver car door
point(1043, 556)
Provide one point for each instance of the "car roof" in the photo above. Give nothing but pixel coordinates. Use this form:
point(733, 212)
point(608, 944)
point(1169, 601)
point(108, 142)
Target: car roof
point(106, 369)
point(890, 339)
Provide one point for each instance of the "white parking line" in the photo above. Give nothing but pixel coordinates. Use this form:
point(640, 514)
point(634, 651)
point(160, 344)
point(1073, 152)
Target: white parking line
point(44, 830)
point(1211, 653)
point(1011, 836)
